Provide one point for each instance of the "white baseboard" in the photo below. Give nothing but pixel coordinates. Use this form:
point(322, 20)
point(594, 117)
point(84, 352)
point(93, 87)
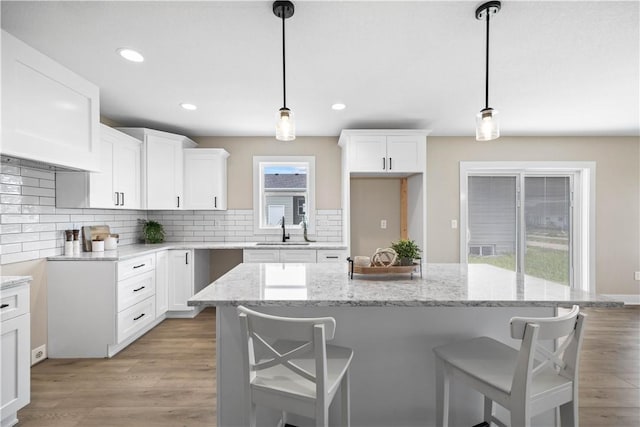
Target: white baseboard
point(629, 299)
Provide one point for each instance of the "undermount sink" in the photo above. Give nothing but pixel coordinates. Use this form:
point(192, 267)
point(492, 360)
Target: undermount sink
point(282, 244)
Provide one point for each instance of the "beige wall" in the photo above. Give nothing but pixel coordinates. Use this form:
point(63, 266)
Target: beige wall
point(617, 195)
point(240, 165)
point(372, 200)
point(38, 270)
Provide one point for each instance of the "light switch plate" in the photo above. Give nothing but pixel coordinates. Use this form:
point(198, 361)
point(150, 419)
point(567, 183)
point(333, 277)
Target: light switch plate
point(454, 223)
point(383, 224)
point(637, 275)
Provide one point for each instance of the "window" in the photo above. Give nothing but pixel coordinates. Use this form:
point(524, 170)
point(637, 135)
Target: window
point(283, 189)
point(535, 218)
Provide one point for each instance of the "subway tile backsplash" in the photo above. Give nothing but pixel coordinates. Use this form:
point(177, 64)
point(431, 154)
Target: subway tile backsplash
point(31, 227)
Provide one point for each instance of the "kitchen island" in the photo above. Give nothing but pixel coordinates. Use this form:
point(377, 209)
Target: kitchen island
point(391, 321)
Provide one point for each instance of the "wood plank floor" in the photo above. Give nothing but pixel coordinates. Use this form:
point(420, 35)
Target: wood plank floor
point(167, 378)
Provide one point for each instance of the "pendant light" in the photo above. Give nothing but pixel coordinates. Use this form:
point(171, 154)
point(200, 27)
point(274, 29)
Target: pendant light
point(487, 120)
point(285, 125)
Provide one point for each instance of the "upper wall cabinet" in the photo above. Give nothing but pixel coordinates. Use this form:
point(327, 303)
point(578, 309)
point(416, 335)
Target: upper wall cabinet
point(116, 187)
point(205, 178)
point(49, 114)
point(384, 152)
point(162, 167)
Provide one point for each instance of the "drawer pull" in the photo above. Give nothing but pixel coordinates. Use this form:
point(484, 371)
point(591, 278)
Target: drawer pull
point(332, 257)
point(139, 317)
point(139, 289)
point(4, 306)
point(138, 266)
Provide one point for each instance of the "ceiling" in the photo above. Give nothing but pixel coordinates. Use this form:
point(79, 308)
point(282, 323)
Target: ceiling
point(557, 68)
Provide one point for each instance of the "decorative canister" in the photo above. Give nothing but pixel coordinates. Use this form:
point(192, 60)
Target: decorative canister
point(97, 246)
point(110, 243)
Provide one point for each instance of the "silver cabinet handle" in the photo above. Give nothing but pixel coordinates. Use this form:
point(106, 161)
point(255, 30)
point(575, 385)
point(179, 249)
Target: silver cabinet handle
point(384, 164)
point(122, 199)
point(178, 201)
point(117, 203)
point(186, 258)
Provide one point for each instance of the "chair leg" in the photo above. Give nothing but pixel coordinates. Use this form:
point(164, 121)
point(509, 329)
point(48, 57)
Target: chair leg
point(488, 410)
point(252, 415)
point(569, 414)
point(442, 393)
point(345, 402)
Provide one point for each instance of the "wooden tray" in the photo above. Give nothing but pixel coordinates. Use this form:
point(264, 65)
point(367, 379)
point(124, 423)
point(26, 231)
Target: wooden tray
point(385, 270)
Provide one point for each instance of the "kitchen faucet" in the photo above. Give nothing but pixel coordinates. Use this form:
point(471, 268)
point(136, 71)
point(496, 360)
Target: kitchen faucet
point(285, 237)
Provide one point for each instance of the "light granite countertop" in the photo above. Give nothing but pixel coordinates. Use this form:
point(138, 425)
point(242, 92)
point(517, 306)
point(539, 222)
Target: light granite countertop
point(132, 251)
point(474, 285)
point(7, 282)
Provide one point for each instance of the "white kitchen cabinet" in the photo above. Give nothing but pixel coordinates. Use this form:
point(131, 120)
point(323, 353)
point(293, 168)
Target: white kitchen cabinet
point(383, 152)
point(162, 282)
point(180, 279)
point(279, 255)
point(15, 350)
point(97, 308)
point(205, 178)
point(162, 167)
point(331, 255)
point(117, 186)
point(188, 274)
point(49, 113)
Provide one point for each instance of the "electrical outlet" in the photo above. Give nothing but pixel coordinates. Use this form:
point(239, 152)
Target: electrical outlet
point(637, 275)
point(454, 223)
point(38, 354)
point(383, 224)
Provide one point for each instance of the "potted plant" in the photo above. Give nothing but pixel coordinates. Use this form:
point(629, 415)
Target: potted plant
point(153, 232)
point(407, 251)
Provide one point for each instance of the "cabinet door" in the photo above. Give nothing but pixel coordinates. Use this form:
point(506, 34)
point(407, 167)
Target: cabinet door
point(163, 173)
point(49, 113)
point(162, 282)
point(126, 166)
point(180, 279)
point(368, 153)
point(297, 255)
point(261, 255)
point(15, 364)
point(205, 179)
point(101, 192)
point(404, 153)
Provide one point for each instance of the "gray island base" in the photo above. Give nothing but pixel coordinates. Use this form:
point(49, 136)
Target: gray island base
point(391, 322)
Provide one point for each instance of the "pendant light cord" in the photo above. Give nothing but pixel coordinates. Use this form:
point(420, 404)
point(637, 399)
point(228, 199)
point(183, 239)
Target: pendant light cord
point(486, 80)
point(284, 67)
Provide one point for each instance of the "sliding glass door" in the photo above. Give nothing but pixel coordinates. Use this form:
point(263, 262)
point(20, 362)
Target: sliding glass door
point(522, 222)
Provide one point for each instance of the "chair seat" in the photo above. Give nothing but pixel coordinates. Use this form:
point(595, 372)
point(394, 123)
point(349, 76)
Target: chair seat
point(283, 380)
point(494, 363)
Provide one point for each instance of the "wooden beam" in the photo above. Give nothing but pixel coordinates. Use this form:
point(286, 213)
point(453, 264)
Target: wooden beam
point(403, 209)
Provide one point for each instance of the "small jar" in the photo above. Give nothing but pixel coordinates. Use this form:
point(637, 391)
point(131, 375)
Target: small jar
point(97, 246)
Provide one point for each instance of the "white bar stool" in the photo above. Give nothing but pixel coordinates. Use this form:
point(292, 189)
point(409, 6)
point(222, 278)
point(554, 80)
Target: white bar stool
point(289, 366)
point(526, 382)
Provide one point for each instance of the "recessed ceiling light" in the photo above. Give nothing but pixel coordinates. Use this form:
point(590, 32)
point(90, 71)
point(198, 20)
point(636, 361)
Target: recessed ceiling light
point(130, 54)
point(187, 106)
point(339, 106)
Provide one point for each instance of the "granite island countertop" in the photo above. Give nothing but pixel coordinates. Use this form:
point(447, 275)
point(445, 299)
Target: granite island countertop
point(132, 251)
point(455, 285)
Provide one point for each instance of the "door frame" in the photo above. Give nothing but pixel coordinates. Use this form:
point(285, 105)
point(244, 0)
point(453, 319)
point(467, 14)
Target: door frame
point(584, 208)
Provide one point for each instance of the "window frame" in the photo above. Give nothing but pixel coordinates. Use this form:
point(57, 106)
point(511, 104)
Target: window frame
point(584, 209)
point(259, 163)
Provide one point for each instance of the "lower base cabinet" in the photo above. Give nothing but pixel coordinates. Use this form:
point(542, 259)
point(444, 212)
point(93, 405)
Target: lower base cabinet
point(15, 350)
point(294, 255)
point(97, 308)
point(188, 274)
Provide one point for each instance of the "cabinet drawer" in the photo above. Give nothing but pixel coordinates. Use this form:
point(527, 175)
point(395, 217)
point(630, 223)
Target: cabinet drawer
point(135, 318)
point(136, 289)
point(331, 255)
point(297, 255)
point(135, 266)
point(14, 302)
point(261, 255)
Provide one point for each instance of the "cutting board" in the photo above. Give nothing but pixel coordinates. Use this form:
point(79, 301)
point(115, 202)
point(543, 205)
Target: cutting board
point(93, 232)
